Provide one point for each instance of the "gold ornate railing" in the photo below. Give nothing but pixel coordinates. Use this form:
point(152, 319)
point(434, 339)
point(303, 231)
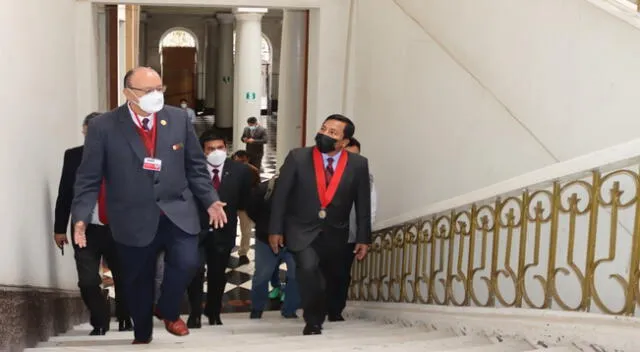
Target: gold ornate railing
point(572, 245)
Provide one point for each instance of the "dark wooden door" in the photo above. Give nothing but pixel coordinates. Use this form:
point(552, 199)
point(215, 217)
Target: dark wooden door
point(179, 75)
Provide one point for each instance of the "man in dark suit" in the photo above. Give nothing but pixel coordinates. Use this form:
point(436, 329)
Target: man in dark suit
point(100, 244)
point(232, 180)
point(149, 159)
point(311, 205)
point(255, 136)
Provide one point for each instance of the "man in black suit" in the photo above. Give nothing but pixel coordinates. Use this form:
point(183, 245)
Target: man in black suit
point(311, 205)
point(100, 244)
point(255, 136)
point(233, 182)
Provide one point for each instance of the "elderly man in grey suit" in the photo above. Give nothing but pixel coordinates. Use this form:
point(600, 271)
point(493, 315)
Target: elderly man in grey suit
point(147, 159)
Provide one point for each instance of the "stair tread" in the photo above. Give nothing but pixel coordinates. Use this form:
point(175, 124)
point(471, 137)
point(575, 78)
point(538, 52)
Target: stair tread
point(240, 333)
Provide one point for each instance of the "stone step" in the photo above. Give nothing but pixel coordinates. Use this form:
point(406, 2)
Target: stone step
point(273, 333)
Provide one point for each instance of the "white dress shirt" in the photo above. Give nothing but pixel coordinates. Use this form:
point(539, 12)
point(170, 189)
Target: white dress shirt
point(352, 218)
point(139, 122)
point(211, 167)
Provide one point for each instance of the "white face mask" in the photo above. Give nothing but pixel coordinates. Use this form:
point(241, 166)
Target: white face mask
point(151, 102)
point(183, 105)
point(217, 157)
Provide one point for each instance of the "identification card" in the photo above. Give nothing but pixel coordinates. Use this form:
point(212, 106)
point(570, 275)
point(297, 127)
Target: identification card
point(152, 164)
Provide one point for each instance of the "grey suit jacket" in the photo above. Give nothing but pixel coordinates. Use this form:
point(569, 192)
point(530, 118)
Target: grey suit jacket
point(114, 150)
point(259, 136)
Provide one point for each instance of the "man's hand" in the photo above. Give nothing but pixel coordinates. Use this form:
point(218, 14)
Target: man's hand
point(250, 140)
point(60, 239)
point(79, 236)
point(217, 216)
point(361, 250)
point(276, 242)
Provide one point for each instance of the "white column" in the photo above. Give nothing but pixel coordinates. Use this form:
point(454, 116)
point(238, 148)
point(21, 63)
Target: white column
point(291, 83)
point(101, 41)
point(248, 70)
point(211, 62)
point(224, 91)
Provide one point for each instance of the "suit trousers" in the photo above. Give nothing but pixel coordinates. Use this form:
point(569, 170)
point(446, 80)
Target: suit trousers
point(318, 271)
point(337, 302)
point(195, 289)
point(100, 244)
point(255, 158)
point(217, 258)
point(181, 262)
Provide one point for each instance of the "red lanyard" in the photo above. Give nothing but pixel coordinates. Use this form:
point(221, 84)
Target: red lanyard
point(325, 194)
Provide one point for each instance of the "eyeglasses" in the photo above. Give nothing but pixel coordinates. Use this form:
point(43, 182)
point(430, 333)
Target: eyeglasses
point(160, 89)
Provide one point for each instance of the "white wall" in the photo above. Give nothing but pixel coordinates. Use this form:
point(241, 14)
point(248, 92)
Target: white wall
point(451, 96)
point(42, 120)
point(429, 129)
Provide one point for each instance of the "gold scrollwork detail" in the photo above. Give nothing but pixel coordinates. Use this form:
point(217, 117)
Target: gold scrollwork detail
point(534, 249)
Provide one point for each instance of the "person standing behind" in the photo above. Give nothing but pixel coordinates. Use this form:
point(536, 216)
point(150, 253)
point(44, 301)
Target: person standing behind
point(191, 115)
point(337, 303)
point(149, 159)
point(100, 244)
point(246, 225)
point(232, 180)
point(255, 136)
point(316, 189)
point(259, 209)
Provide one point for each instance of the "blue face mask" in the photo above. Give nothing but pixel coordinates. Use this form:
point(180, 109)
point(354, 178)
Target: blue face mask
point(252, 127)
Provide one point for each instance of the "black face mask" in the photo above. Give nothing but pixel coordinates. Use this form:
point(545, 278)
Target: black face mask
point(325, 143)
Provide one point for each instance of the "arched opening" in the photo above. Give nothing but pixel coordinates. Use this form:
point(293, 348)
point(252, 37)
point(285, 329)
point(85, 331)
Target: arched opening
point(267, 62)
point(178, 60)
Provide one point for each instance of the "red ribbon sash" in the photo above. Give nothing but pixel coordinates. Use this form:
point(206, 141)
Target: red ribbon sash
point(325, 194)
point(148, 137)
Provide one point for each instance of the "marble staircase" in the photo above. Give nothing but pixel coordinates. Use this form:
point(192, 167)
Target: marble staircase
point(273, 333)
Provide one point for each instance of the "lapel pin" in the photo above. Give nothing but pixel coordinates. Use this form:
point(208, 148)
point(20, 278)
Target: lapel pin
point(163, 122)
point(177, 146)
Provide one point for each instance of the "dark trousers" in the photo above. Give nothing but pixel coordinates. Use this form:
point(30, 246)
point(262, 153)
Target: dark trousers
point(337, 302)
point(195, 289)
point(100, 244)
point(217, 258)
point(255, 158)
point(318, 272)
point(181, 262)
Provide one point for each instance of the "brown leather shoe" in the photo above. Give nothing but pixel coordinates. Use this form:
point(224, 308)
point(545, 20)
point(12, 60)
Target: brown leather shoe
point(178, 327)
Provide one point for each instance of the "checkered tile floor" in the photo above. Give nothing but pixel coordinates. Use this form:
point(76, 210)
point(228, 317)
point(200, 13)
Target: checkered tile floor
point(238, 288)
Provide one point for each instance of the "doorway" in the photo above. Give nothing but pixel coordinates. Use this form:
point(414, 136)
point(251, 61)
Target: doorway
point(178, 60)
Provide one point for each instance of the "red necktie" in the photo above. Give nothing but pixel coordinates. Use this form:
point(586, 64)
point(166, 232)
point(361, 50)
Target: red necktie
point(216, 179)
point(102, 204)
point(328, 171)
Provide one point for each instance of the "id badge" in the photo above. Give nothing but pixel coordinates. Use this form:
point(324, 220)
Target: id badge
point(152, 164)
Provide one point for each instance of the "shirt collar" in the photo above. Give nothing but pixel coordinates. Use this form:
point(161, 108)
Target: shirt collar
point(335, 157)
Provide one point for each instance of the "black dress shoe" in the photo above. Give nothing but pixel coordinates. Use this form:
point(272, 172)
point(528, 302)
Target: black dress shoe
point(290, 315)
point(243, 260)
point(194, 322)
point(337, 317)
point(125, 325)
point(98, 332)
point(215, 320)
point(255, 314)
point(310, 329)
